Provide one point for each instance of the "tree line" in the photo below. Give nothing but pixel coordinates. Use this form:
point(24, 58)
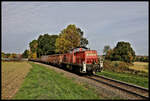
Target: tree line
point(142, 58)
point(46, 44)
point(10, 55)
point(72, 37)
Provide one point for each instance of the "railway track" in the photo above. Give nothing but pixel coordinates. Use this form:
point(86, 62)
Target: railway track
point(130, 89)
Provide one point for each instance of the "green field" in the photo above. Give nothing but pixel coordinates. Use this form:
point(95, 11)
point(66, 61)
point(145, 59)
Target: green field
point(129, 78)
point(44, 83)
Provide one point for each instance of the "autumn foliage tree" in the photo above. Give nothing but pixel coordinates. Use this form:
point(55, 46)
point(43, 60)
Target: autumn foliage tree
point(46, 44)
point(70, 38)
point(13, 55)
point(33, 48)
point(109, 54)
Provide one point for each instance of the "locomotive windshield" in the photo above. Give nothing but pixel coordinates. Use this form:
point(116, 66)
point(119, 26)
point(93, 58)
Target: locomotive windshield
point(91, 54)
point(79, 49)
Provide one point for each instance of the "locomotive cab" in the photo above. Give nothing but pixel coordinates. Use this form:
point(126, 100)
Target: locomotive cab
point(93, 63)
point(87, 59)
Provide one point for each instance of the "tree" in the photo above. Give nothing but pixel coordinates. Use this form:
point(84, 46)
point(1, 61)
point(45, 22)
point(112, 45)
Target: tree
point(142, 58)
point(33, 45)
point(7, 55)
point(2, 55)
point(123, 52)
point(69, 38)
point(25, 54)
point(146, 59)
point(33, 48)
point(109, 54)
point(46, 44)
point(106, 48)
point(13, 55)
point(83, 41)
point(34, 55)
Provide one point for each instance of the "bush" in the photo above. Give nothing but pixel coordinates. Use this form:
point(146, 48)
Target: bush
point(122, 67)
point(108, 65)
point(116, 66)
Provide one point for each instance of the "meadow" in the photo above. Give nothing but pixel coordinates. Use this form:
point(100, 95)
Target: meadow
point(127, 77)
point(135, 74)
point(27, 80)
point(44, 83)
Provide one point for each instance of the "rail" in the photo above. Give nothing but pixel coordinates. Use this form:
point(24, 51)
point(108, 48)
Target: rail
point(126, 87)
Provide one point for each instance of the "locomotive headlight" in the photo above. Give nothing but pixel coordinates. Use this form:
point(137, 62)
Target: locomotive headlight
point(84, 67)
point(101, 64)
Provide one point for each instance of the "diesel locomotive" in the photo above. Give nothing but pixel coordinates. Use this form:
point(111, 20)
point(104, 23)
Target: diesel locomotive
point(80, 59)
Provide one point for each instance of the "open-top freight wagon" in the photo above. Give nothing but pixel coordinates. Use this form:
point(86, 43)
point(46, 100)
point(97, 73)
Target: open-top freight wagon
point(81, 60)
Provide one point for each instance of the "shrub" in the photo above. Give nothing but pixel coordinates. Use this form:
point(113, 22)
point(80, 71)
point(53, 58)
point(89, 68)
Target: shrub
point(108, 65)
point(116, 66)
point(122, 67)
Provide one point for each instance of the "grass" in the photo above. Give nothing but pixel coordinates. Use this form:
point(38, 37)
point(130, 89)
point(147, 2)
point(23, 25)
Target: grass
point(141, 66)
point(44, 83)
point(129, 78)
point(13, 74)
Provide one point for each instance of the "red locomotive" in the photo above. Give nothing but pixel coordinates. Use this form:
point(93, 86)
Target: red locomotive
point(81, 60)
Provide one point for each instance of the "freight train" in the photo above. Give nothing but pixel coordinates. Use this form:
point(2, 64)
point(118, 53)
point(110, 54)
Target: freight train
point(80, 60)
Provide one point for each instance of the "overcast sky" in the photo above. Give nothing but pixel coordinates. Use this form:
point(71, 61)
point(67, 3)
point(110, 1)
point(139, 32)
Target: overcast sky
point(103, 23)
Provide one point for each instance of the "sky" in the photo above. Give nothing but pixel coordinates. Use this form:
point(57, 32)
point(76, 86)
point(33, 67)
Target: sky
point(103, 23)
